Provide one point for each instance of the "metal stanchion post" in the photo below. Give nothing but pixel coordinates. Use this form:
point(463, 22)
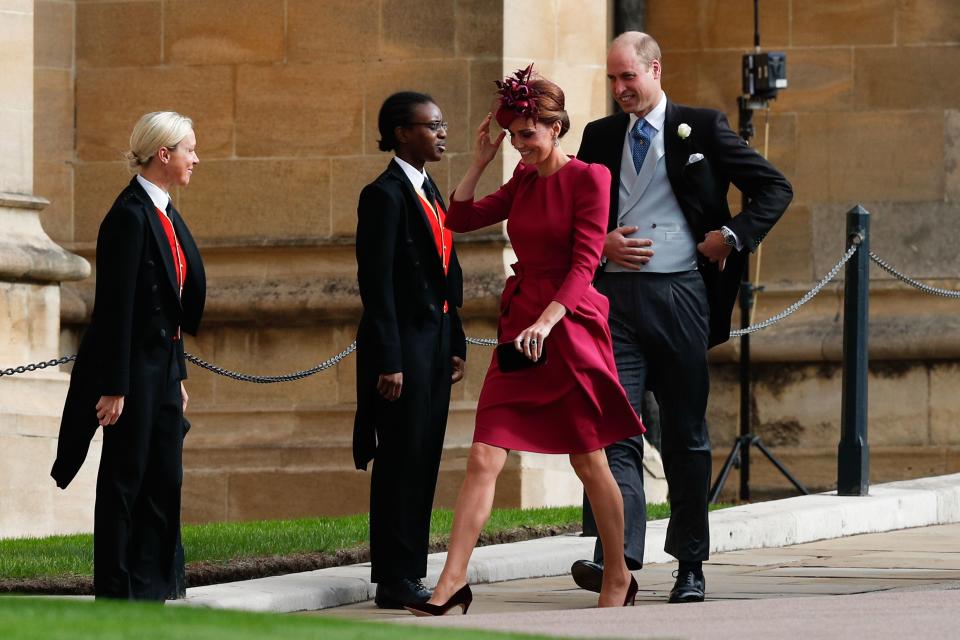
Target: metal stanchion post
point(746, 304)
point(853, 455)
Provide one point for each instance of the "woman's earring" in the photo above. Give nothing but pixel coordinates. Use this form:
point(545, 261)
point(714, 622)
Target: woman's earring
point(556, 141)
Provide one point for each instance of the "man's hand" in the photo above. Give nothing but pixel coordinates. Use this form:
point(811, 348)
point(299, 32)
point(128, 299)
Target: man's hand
point(109, 409)
point(459, 366)
point(630, 253)
point(715, 249)
point(389, 385)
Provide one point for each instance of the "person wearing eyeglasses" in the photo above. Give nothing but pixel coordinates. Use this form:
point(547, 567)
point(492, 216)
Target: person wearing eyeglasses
point(410, 343)
point(129, 372)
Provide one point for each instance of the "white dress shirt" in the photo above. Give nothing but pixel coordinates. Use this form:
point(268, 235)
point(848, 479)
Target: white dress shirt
point(415, 176)
point(158, 196)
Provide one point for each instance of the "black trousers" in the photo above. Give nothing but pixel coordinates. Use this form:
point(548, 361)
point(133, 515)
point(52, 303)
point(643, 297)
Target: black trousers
point(410, 435)
point(137, 514)
point(660, 326)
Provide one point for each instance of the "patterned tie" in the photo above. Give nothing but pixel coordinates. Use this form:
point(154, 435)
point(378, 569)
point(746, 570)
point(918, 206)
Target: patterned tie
point(640, 141)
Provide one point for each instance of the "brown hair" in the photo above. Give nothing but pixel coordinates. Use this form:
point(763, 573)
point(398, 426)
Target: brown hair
point(550, 103)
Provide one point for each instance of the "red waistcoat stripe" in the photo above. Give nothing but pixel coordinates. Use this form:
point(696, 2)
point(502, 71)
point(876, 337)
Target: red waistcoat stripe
point(442, 237)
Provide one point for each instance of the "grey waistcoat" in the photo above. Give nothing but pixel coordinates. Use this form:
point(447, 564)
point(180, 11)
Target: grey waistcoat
point(647, 201)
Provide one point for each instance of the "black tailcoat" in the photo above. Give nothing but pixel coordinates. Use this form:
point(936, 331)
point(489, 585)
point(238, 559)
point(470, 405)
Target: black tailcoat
point(403, 329)
point(135, 316)
point(129, 350)
point(403, 287)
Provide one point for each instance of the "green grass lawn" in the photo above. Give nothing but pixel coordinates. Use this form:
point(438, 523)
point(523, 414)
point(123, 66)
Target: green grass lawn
point(23, 618)
point(23, 558)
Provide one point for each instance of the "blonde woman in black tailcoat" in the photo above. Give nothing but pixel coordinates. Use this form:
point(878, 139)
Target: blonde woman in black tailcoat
point(128, 377)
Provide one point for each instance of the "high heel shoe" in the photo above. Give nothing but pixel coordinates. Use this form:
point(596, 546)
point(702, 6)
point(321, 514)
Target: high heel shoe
point(462, 598)
point(631, 598)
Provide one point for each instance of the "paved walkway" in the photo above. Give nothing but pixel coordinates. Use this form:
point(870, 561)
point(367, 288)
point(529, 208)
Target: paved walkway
point(768, 525)
point(894, 584)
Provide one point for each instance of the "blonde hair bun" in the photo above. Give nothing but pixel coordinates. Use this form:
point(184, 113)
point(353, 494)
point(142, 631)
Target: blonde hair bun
point(153, 131)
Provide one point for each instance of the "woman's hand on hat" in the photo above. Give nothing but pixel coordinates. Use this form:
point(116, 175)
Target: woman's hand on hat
point(485, 149)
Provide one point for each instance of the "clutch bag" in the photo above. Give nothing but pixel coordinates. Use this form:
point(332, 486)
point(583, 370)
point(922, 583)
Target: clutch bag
point(509, 359)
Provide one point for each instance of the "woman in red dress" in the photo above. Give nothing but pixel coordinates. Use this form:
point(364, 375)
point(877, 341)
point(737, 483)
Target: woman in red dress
point(556, 208)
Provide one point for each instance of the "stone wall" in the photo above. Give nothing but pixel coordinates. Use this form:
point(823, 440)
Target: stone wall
point(871, 115)
point(31, 268)
point(284, 94)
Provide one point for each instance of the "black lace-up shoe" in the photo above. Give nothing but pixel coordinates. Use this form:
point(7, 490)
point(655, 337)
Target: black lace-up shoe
point(396, 594)
point(689, 587)
point(588, 575)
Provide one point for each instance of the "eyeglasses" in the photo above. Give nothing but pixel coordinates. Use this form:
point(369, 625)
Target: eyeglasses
point(433, 125)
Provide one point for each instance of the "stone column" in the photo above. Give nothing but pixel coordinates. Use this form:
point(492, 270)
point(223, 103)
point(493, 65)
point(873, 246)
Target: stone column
point(31, 269)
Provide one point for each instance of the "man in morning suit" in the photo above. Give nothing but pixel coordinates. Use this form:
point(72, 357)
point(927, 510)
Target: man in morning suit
point(671, 267)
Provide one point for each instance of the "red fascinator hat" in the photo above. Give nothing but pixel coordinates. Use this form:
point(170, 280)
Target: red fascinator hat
point(517, 98)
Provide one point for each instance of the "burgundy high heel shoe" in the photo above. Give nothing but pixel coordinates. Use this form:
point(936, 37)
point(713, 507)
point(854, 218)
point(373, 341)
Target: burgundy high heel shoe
point(462, 598)
point(631, 598)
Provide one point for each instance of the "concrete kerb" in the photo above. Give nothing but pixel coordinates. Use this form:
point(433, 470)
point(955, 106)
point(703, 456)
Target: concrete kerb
point(778, 523)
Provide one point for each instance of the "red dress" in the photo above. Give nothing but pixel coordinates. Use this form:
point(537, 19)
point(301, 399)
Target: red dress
point(574, 402)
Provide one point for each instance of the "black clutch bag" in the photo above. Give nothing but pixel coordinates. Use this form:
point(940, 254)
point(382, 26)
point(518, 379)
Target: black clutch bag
point(509, 359)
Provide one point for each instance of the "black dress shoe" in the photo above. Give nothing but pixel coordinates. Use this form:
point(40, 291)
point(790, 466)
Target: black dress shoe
point(689, 587)
point(397, 594)
point(588, 575)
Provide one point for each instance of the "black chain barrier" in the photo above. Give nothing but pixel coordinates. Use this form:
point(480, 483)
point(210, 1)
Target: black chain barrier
point(289, 377)
point(916, 284)
point(807, 297)
point(36, 367)
point(490, 342)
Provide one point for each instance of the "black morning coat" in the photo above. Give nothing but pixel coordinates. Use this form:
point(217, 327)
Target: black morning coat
point(701, 189)
point(126, 349)
point(403, 288)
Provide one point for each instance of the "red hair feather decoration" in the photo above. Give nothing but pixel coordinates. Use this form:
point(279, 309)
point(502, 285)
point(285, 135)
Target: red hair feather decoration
point(517, 98)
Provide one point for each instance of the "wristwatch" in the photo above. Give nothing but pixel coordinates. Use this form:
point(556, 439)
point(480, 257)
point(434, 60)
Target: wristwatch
point(728, 238)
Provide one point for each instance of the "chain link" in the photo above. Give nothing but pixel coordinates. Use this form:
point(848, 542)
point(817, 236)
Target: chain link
point(883, 264)
point(802, 301)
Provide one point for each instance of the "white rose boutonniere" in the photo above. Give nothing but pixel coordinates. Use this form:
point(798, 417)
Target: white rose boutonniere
point(684, 130)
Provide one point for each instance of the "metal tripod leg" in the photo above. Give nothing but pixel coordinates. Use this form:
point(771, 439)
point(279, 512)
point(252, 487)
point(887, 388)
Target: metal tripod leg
point(725, 470)
point(744, 442)
point(782, 469)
